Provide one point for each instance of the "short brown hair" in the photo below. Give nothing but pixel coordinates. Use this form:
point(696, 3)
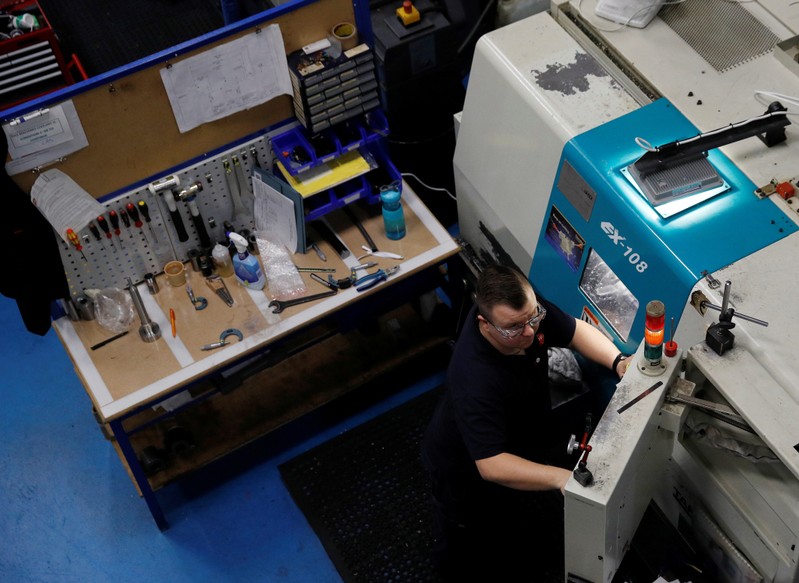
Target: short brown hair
point(501, 284)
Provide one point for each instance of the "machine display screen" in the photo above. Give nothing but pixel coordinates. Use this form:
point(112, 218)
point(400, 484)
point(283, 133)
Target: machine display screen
point(609, 294)
point(674, 190)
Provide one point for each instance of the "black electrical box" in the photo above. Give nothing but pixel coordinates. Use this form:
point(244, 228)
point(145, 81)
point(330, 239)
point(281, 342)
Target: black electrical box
point(417, 68)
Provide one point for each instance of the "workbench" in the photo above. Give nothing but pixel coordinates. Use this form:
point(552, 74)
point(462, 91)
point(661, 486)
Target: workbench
point(169, 407)
point(228, 397)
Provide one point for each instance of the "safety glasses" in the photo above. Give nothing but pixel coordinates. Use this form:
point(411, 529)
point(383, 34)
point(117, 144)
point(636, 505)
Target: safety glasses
point(513, 332)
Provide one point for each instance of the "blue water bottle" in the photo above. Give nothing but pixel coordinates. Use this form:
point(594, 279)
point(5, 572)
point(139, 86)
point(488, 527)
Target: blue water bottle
point(393, 217)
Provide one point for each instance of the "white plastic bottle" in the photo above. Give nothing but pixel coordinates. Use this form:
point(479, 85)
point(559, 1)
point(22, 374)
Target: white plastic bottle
point(246, 267)
point(222, 260)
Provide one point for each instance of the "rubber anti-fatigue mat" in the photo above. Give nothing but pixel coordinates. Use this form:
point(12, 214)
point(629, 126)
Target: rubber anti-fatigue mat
point(366, 495)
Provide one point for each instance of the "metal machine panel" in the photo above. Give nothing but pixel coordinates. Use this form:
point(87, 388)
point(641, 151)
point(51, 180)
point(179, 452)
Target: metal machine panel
point(755, 506)
point(629, 456)
point(759, 376)
point(655, 258)
point(532, 89)
point(711, 99)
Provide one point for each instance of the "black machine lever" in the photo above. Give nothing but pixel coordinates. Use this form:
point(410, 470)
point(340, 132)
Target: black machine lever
point(719, 336)
point(769, 127)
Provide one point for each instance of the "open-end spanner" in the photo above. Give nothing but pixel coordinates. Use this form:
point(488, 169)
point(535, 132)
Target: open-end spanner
point(280, 305)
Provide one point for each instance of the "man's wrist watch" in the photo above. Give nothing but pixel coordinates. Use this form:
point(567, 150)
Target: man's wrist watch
point(619, 358)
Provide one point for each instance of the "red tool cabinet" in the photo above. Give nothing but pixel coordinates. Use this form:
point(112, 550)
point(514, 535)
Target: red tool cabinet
point(32, 63)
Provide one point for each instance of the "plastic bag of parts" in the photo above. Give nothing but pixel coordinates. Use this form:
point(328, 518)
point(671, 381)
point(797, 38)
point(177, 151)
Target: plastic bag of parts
point(114, 309)
point(282, 276)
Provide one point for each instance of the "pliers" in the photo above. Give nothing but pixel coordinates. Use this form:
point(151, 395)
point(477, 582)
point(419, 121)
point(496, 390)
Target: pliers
point(345, 282)
point(369, 281)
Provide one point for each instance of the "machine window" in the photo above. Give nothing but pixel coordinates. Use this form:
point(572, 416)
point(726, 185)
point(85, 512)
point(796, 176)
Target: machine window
point(609, 294)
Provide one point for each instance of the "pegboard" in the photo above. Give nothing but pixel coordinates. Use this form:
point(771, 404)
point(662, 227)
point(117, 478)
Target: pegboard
point(135, 251)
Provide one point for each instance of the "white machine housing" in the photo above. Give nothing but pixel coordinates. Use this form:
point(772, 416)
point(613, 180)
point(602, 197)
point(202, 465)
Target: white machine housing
point(538, 83)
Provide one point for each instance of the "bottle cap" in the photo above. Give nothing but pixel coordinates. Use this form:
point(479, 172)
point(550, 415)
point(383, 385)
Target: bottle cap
point(219, 251)
point(390, 196)
point(239, 241)
point(670, 348)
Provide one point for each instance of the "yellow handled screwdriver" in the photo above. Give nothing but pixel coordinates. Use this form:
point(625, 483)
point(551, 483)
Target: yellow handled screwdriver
point(73, 238)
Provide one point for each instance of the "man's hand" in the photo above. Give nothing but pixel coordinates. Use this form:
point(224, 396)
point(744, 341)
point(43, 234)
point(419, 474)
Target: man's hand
point(594, 345)
point(522, 474)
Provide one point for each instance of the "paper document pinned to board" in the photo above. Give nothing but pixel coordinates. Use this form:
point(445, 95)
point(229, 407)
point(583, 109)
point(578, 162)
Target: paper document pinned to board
point(43, 136)
point(231, 77)
point(63, 202)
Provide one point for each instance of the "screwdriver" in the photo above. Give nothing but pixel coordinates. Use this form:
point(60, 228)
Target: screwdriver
point(96, 232)
point(115, 223)
point(134, 214)
point(104, 226)
point(73, 238)
point(145, 211)
point(123, 214)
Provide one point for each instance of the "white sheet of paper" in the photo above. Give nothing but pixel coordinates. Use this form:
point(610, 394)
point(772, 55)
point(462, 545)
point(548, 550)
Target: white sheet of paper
point(63, 202)
point(231, 77)
point(274, 215)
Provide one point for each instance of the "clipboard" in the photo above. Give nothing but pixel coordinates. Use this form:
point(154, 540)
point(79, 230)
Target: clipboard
point(294, 196)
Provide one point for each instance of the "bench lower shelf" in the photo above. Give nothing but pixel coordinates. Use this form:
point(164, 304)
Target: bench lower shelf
point(221, 422)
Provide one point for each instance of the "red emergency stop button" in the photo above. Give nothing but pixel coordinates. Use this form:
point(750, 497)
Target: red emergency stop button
point(408, 13)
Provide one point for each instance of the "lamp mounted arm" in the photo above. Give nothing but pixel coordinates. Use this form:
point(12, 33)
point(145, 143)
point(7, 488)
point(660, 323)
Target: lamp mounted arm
point(769, 127)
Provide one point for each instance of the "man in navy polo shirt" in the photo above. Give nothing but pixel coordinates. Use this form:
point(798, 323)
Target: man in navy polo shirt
point(491, 437)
